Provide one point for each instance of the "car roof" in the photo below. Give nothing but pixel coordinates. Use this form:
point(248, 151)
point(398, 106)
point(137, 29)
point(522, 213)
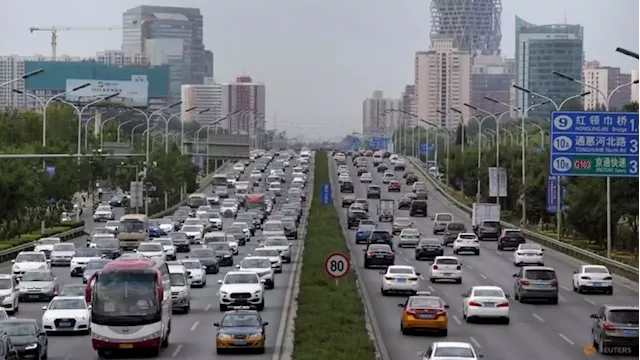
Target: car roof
point(255, 257)
point(73, 297)
point(486, 287)
point(446, 257)
point(19, 321)
point(451, 344)
point(594, 266)
point(526, 268)
point(621, 307)
point(400, 267)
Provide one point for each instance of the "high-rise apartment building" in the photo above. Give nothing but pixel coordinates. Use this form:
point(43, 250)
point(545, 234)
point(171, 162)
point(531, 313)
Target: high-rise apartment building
point(605, 79)
point(247, 99)
point(121, 58)
point(442, 81)
point(492, 76)
point(473, 25)
point(408, 105)
point(541, 49)
point(202, 97)
point(377, 120)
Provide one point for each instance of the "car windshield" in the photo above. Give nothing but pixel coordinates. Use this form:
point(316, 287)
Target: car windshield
point(455, 227)
point(37, 276)
point(48, 241)
point(177, 279)
point(430, 242)
point(73, 290)
point(467, 236)
point(267, 252)
point(401, 271)
point(540, 274)
point(129, 293)
point(192, 265)
point(6, 284)
point(382, 248)
point(150, 247)
point(454, 352)
point(444, 217)
point(191, 228)
point(276, 242)
point(164, 221)
point(197, 201)
point(96, 264)
point(30, 258)
point(447, 261)
point(595, 270)
point(202, 253)
point(103, 209)
point(87, 253)
point(229, 203)
point(178, 236)
point(429, 303)
point(110, 243)
point(64, 247)
point(98, 231)
point(366, 228)
point(374, 188)
point(241, 320)
point(112, 223)
point(67, 304)
point(218, 246)
point(624, 316)
point(131, 225)
point(529, 247)
point(380, 235)
point(236, 278)
point(491, 224)
point(18, 329)
point(410, 232)
point(273, 226)
point(255, 263)
point(513, 234)
point(164, 242)
point(488, 292)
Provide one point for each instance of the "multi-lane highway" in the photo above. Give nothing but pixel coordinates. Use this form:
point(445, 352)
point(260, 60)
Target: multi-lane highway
point(193, 334)
point(536, 331)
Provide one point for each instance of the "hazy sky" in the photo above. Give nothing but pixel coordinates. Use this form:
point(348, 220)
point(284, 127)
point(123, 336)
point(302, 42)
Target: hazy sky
point(319, 59)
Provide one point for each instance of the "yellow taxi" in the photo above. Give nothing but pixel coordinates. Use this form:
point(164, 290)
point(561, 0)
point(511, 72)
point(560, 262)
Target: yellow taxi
point(424, 312)
point(241, 330)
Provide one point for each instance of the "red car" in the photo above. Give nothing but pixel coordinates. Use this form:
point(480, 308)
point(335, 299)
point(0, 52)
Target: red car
point(394, 186)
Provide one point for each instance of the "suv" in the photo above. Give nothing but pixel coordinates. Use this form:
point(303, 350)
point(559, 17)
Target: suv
point(488, 230)
point(615, 326)
point(510, 238)
point(536, 282)
point(354, 217)
point(451, 232)
point(180, 287)
point(380, 237)
point(373, 191)
point(9, 293)
point(346, 186)
point(241, 288)
point(418, 207)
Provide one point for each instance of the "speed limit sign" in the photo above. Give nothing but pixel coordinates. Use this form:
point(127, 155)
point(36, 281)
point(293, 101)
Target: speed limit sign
point(336, 265)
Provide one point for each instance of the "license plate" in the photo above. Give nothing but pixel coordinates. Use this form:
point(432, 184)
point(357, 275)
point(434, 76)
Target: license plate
point(125, 346)
point(426, 316)
point(596, 284)
point(240, 342)
point(631, 332)
point(488, 304)
point(65, 324)
point(447, 274)
point(542, 286)
point(36, 296)
point(380, 256)
point(402, 280)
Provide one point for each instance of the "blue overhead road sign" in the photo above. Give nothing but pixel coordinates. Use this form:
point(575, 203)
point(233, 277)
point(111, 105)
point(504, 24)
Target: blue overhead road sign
point(355, 142)
point(586, 143)
point(426, 148)
point(378, 143)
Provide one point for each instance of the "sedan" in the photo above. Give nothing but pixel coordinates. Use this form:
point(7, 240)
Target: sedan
point(488, 302)
point(429, 249)
point(593, 278)
point(404, 203)
point(394, 186)
point(366, 178)
point(401, 223)
point(528, 254)
point(378, 255)
point(409, 238)
point(197, 272)
point(66, 313)
point(399, 279)
point(27, 336)
point(373, 192)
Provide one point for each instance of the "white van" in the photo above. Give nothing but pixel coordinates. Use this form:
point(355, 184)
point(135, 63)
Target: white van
point(393, 158)
point(180, 288)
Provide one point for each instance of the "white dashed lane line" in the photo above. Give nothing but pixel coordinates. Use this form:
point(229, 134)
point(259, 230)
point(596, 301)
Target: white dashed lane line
point(194, 326)
point(475, 342)
point(176, 351)
point(566, 339)
point(538, 317)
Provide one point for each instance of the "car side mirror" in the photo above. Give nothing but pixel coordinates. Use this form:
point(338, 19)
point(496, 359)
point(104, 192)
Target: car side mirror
point(593, 316)
point(262, 281)
point(542, 249)
point(237, 266)
point(364, 250)
point(418, 274)
point(13, 261)
point(575, 271)
point(55, 279)
point(216, 324)
point(507, 296)
point(220, 282)
point(401, 305)
point(135, 250)
point(90, 307)
point(48, 261)
point(514, 275)
point(44, 307)
point(265, 323)
point(204, 268)
point(480, 356)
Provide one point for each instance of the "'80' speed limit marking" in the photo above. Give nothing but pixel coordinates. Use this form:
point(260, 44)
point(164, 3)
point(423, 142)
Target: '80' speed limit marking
point(336, 265)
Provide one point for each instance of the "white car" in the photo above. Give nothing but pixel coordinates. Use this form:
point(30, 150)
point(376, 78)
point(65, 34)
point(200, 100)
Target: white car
point(342, 177)
point(245, 229)
point(273, 255)
point(46, 245)
point(241, 282)
point(488, 302)
point(62, 254)
point(9, 293)
point(256, 175)
point(165, 225)
point(343, 169)
point(103, 213)
point(170, 252)
point(67, 313)
point(366, 178)
point(196, 271)
point(229, 208)
point(593, 278)
point(275, 187)
point(29, 260)
point(238, 167)
point(298, 174)
point(528, 254)
point(151, 250)
point(80, 259)
point(298, 182)
point(388, 176)
point(466, 242)
point(272, 228)
point(215, 219)
point(112, 225)
point(281, 244)
point(194, 233)
point(260, 265)
point(409, 237)
point(449, 350)
point(95, 239)
point(446, 268)
point(214, 199)
point(202, 211)
point(400, 279)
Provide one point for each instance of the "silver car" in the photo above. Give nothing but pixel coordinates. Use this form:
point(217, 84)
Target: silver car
point(38, 285)
point(440, 222)
point(62, 254)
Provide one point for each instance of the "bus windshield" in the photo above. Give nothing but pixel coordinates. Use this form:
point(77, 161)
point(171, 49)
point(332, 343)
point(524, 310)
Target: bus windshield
point(219, 180)
point(131, 226)
point(120, 294)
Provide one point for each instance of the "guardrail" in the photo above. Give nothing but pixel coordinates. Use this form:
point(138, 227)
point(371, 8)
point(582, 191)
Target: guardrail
point(616, 267)
point(70, 234)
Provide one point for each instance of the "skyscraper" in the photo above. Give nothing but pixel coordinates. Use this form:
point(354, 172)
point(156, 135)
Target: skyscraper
point(203, 97)
point(376, 120)
point(159, 33)
point(244, 94)
point(474, 25)
point(541, 49)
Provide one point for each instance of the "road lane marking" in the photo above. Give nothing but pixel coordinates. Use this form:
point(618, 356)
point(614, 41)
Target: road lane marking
point(538, 317)
point(432, 289)
point(561, 298)
point(566, 339)
point(455, 318)
point(176, 351)
point(194, 326)
point(590, 301)
point(470, 267)
point(207, 307)
point(421, 277)
point(565, 288)
point(482, 275)
point(475, 342)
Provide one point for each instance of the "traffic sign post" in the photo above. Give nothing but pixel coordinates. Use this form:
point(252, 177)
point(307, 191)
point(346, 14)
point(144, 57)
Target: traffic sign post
point(378, 143)
point(426, 148)
point(336, 266)
point(552, 195)
point(325, 194)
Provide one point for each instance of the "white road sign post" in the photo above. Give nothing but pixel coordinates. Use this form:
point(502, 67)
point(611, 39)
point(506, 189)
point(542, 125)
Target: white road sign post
point(336, 266)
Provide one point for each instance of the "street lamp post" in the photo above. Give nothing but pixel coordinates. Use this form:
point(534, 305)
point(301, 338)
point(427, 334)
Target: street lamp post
point(120, 129)
point(86, 132)
point(133, 130)
point(23, 77)
point(102, 129)
point(461, 121)
point(97, 101)
point(166, 129)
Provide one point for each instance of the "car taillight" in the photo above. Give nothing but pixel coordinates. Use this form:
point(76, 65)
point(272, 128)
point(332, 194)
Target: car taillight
point(608, 326)
point(473, 303)
point(458, 267)
point(504, 304)
point(390, 255)
point(369, 254)
point(435, 267)
point(411, 312)
point(413, 279)
point(553, 283)
point(608, 278)
point(524, 282)
point(585, 278)
point(389, 278)
point(440, 313)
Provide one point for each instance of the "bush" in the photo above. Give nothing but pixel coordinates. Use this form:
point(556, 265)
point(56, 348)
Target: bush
point(330, 319)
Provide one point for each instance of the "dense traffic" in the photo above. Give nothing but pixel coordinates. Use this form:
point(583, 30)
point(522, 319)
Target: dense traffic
point(133, 283)
point(454, 278)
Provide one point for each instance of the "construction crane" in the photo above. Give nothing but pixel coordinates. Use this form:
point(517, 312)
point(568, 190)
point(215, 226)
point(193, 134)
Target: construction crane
point(54, 33)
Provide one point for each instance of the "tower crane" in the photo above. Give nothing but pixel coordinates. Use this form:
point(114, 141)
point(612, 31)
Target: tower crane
point(54, 33)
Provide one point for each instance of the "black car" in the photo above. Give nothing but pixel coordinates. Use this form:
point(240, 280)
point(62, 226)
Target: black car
point(451, 232)
point(241, 330)
point(511, 239)
point(180, 241)
point(117, 201)
point(207, 258)
point(362, 170)
point(7, 350)
point(347, 201)
point(428, 249)
point(223, 253)
point(373, 192)
point(354, 217)
point(380, 237)
point(24, 334)
point(346, 187)
point(290, 228)
point(418, 208)
point(378, 255)
point(404, 203)
point(411, 179)
point(237, 233)
point(382, 168)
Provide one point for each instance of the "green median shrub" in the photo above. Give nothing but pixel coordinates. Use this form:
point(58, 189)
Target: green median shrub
point(330, 322)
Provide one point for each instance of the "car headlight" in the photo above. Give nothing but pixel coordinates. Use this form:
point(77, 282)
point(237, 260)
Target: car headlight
point(16, 267)
point(183, 293)
point(257, 293)
point(2, 298)
point(255, 336)
point(224, 293)
point(31, 346)
point(224, 336)
point(43, 267)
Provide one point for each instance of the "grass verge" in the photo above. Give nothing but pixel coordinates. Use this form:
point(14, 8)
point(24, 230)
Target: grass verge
point(330, 319)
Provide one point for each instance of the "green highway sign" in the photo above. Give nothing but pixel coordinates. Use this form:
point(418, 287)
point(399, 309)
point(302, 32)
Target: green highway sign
point(596, 165)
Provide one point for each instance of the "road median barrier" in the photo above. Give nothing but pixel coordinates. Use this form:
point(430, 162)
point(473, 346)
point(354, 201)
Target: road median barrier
point(589, 257)
point(68, 231)
point(330, 320)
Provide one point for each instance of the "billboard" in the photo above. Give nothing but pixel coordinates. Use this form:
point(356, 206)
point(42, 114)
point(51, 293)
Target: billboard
point(132, 93)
